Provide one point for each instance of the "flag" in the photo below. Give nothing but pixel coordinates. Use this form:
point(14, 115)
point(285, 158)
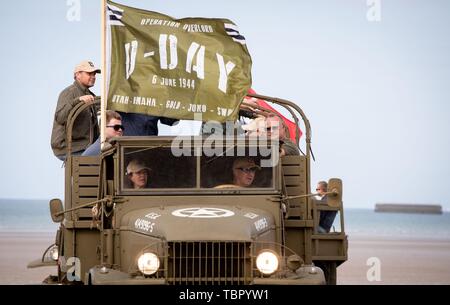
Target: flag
point(177, 68)
point(291, 126)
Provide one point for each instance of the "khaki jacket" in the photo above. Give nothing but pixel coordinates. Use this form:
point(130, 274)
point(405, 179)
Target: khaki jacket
point(290, 148)
point(85, 129)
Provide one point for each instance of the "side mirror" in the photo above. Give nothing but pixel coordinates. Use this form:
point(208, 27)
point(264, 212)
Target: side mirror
point(56, 207)
point(335, 186)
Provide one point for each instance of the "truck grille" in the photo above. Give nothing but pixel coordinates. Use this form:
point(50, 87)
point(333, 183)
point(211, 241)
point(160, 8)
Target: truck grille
point(195, 263)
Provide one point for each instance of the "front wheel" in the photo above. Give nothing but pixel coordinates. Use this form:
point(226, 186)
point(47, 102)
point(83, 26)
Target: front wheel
point(329, 270)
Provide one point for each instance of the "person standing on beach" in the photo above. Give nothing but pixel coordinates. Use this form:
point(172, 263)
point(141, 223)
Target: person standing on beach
point(326, 217)
point(86, 129)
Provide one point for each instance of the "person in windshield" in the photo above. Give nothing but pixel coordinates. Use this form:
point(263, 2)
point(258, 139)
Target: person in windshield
point(138, 174)
point(244, 171)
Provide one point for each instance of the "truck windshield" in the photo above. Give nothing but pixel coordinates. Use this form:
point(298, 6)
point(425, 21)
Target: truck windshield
point(157, 167)
point(153, 168)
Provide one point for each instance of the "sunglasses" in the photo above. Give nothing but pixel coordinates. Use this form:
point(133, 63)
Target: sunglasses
point(273, 128)
point(116, 127)
point(247, 170)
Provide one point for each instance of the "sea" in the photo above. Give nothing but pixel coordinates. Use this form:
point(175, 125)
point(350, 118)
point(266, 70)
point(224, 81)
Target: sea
point(34, 216)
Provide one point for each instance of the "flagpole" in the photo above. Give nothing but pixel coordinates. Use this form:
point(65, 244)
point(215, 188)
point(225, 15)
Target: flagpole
point(104, 75)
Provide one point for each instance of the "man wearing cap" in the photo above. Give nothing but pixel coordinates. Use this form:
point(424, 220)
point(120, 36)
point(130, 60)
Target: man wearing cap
point(137, 173)
point(85, 130)
point(244, 171)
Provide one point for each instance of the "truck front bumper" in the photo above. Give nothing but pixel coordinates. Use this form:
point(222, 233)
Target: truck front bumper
point(97, 276)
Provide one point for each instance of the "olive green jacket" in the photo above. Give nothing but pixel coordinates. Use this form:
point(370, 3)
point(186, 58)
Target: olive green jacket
point(289, 147)
point(85, 129)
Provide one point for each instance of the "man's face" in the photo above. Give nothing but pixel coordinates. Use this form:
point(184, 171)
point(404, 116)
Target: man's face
point(139, 179)
point(274, 129)
point(320, 189)
point(244, 176)
point(260, 128)
point(87, 79)
point(110, 131)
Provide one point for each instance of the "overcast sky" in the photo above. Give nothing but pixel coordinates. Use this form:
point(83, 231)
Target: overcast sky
point(373, 83)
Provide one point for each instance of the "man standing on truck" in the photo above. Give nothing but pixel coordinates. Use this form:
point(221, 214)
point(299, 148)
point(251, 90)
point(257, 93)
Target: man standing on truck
point(86, 129)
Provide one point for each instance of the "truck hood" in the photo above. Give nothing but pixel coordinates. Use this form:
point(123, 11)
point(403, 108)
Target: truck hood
point(206, 222)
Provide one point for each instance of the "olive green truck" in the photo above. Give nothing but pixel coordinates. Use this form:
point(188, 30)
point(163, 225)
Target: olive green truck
point(190, 225)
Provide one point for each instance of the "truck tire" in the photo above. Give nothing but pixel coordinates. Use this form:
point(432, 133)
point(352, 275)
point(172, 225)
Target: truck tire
point(329, 270)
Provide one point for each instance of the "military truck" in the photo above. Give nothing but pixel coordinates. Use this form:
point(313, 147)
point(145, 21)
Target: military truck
point(190, 224)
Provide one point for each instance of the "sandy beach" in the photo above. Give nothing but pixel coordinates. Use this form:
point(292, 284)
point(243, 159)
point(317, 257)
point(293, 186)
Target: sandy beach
point(401, 261)
point(17, 250)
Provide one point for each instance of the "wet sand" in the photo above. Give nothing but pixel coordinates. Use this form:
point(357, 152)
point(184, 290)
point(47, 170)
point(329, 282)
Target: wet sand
point(17, 250)
point(402, 261)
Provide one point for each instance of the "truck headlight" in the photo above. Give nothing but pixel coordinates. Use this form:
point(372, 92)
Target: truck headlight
point(267, 262)
point(54, 253)
point(148, 263)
